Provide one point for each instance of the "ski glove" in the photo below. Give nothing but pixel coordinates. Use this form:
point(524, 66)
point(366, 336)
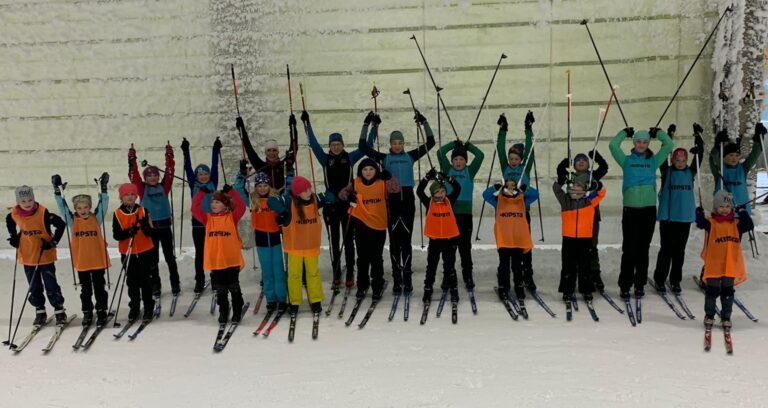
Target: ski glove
point(722, 137)
point(217, 144)
point(431, 174)
point(56, 181)
point(184, 145)
point(227, 188)
point(652, 131)
point(419, 118)
point(103, 181)
point(131, 153)
point(502, 122)
point(14, 241)
point(239, 124)
point(697, 129)
point(292, 120)
point(168, 150)
point(671, 130)
point(562, 172)
point(244, 167)
point(368, 118)
point(630, 131)
point(304, 116)
point(376, 120)
point(760, 131)
point(49, 245)
point(529, 120)
point(596, 156)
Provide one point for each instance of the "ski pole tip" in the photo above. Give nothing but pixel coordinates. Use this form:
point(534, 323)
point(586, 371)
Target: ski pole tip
point(503, 56)
point(438, 89)
point(413, 37)
point(583, 22)
point(407, 91)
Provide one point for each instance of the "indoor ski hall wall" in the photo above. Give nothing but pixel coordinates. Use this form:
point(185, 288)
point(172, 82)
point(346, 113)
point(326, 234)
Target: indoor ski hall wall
point(81, 80)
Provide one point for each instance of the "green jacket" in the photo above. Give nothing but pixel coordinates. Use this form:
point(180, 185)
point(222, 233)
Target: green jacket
point(639, 181)
point(463, 204)
point(501, 150)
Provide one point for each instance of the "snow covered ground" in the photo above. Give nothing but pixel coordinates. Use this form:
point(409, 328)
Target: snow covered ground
point(486, 360)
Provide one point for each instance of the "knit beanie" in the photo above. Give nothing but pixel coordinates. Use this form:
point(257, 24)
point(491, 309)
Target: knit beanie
point(126, 189)
point(517, 149)
point(261, 178)
point(720, 199)
point(581, 180)
point(224, 198)
point(581, 157)
point(731, 148)
point(367, 162)
point(435, 186)
point(299, 185)
point(680, 153)
point(335, 137)
point(150, 170)
point(270, 144)
point(24, 193)
point(82, 199)
point(642, 135)
point(459, 151)
point(396, 135)
point(202, 168)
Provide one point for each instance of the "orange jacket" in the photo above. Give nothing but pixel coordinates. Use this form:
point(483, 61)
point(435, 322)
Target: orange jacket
point(578, 216)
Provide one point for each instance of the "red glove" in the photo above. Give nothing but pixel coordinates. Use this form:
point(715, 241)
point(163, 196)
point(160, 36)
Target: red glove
point(168, 151)
point(131, 153)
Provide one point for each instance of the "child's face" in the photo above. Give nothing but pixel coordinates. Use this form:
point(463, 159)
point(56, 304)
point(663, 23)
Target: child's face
point(336, 147)
point(217, 206)
point(731, 159)
point(459, 163)
point(203, 177)
point(439, 195)
point(581, 165)
point(27, 204)
point(262, 189)
point(152, 179)
point(272, 154)
point(397, 146)
point(129, 199)
point(641, 145)
point(576, 191)
point(306, 195)
point(510, 185)
point(514, 160)
point(368, 172)
point(83, 210)
point(724, 209)
point(680, 163)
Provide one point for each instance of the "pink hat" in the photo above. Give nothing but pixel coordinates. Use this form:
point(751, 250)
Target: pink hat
point(126, 189)
point(680, 153)
point(151, 170)
point(299, 185)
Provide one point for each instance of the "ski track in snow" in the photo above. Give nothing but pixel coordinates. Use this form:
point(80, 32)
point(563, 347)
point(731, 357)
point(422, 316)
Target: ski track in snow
point(486, 359)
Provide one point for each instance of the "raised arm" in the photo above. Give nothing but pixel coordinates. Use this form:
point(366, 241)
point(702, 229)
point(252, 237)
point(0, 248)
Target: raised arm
point(501, 142)
point(62, 205)
point(215, 154)
point(602, 166)
point(188, 165)
point(477, 161)
point(357, 154)
point(666, 147)
point(615, 145)
point(322, 158)
point(133, 172)
point(490, 197)
point(253, 157)
point(170, 169)
point(442, 153)
point(423, 198)
point(365, 148)
point(424, 149)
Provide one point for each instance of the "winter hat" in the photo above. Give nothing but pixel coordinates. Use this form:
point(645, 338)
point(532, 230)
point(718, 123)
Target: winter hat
point(581, 156)
point(367, 162)
point(731, 148)
point(149, 170)
point(396, 135)
point(261, 178)
point(24, 193)
point(435, 186)
point(335, 137)
point(270, 144)
point(299, 185)
point(126, 189)
point(680, 153)
point(459, 151)
point(721, 198)
point(581, 180)
point(224, 198)
point(518, 149)
point(642, 135)
point(82, 199)
point(202, 168)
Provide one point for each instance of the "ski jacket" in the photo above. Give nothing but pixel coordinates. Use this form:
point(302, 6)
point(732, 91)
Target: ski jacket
point(400, 165)
point(639, 182)
point(465, 176)
point(336, 168)
point(577, 215)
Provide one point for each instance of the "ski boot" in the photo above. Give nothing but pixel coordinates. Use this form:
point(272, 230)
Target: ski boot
point(316, 307)
point(470, 284)
point(350, 284)
point(427, 295)
point(454, 295)
point(397, 289)
point(639, 293)
point(101, 317)
point(40, 317)
point(199, 286)
point(282, 307)
point(624, 294)
point(148, 316)
point(61, 316)
point(503, 294)
point(133, 314)
point(87, 318)
point(659, 286)
point(676, 289)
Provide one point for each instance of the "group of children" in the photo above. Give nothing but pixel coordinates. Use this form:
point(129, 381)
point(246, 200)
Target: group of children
point(359, 212)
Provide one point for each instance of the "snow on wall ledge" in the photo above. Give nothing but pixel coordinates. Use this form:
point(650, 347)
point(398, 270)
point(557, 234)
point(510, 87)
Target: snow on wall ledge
point(80, 81)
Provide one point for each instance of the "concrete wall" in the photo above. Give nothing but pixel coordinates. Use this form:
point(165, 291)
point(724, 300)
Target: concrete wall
point(80, 81)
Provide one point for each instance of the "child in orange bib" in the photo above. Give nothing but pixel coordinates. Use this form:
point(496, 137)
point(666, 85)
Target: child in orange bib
point(442, 230)
point(132, 228)
point(723, 261)
point(223, 255)
point(35, 245)
point(368, 196)
point(512, 232)
point(269, 244)
point(88, 248)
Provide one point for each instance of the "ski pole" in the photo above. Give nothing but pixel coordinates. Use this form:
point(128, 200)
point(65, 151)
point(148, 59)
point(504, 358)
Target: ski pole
point(69, 241)
point(418, 127)
point(568, 97)
point(472, 131)
point(173, 213)
point(104, 233)
point(374, 95)
point(437, 88)
point(181, 222)
point(697, 176)
point(237, 106)
point(13, 296)
point(600, 131)
point(144, 163)
point(487, 184)
point(421, 209)
point(121, 284)
point(536, 178)
point(602, 65)
point(727, 9)
point(36, 273)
